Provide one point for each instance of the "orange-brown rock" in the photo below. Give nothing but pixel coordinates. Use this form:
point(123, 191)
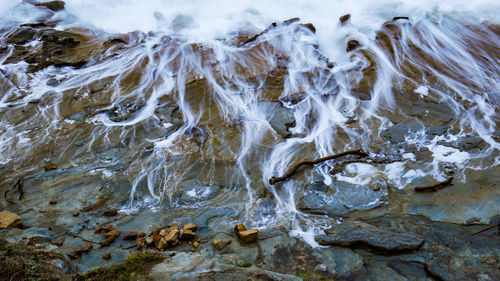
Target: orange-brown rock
point(142, 234)
point(106, 256)
point(130, 235)
point(97, 229)
point(75, 254)
point(249, 236)
point(107, 227)
point(220, 244)
point(50, 166)
point(195, 244)
point(53, 202)
point(76, 214)
point(114, 233)
point(140, 242)
point(111, 212)
point(187, 235)
point(172, 234)
point(238, 228)
point(190, 226)
point(108, 241)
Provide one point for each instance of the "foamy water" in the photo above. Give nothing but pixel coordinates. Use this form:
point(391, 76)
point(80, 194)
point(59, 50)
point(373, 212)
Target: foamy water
point(443, 53)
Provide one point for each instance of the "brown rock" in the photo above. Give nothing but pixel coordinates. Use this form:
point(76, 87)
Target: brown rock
point(107, 227)
point(142, 234)
point(219, 244)
point(76, 214)
point(172, 234)
point(175, 243)
point(49, 166)
point(10, 220)
point(114, 233)
point(87, 247)
point(249, 236)
point(161, 244)
point(75, 254)
point(190, 226)
point(107, 241)
point(97, 229)
point(130, 235)
point(156, 231)
point(140, 242)
point(163, 233)
point(187, 235)
point(238, 228)
point(53, 201)
point(106, 256)
point(344, 19)
point(352, 45)
point(111, 212)
point(195, 244)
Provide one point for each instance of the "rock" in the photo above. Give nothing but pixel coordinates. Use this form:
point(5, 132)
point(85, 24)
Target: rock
point(310, 26)
point(149, 241)
point(79, 116)
point(130, 235)
point(140, 242)
point(53, 202)
point(108, 241)
point(161, 244)
point(79, 143)
point(55, 6)
point(106, 256)
point(238, 228)
point(173, 234)
point(113, 233)
point(75, 254)
point(107, 227)
point(49, 166)
point(10, 220)
point(352, 45)
point(344, 19)
point(87, 247)
point(110, 212)
point(76, 213)
point(58, 242)
point(142, 234)
point(97, 229)
point(52, 82)
point(249, 236)
point(352, 233)
point(195, 244)
point(187, 235)
point(190, 226)
point(220, 244)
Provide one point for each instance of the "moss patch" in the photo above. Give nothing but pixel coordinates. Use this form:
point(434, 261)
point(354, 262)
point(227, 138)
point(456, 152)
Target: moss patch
point(136, 263)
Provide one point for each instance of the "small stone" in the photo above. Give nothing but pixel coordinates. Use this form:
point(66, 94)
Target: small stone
point(87, 247)
point(249, 236)
point(149, 241)
point(49, 166)
point(79, 116)
point(130, 235)
point(97, 229)
point(351, 45)
point(140, 242)
point(196, 244)
point(52, 82)
point(106, 256)
point(76, 213)
point(173, 234)
point(187, 235)
point(75, 254)
point(162, 243)
point(79, 143)
point(310, 26)
point(238, 228)
point(108, 241)
point(142, 234)
point(219, 244)
point(111, 212)
point(113, 233)
point(163, 233)
point(108, 227)
point(190, 226)
point(344, 19)
point(53, 202)
point(9, 220)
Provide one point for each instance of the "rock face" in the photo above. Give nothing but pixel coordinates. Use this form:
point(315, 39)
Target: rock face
point(9, 220)
point(352, 233)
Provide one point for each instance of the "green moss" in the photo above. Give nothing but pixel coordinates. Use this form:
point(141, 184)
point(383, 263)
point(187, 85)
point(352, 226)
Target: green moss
point(244, 264)
point(136, 263)
point(19, 262)
point(311, 276)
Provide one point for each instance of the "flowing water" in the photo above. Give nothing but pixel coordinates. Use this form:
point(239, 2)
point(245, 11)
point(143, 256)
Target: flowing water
point(202, 116)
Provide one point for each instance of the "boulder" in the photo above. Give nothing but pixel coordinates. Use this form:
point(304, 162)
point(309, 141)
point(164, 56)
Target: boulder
point(354, 233)
point(9, 220)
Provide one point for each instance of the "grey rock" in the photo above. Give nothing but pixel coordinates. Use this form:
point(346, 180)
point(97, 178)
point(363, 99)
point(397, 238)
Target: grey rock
point(352, 233)
point(80, 143)
point(79, 116)
point(52, 82)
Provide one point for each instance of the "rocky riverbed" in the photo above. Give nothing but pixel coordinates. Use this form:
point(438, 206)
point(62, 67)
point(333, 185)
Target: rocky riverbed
point(154, 148)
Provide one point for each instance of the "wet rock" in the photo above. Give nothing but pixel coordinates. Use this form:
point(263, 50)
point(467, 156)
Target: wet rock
point(79, 116)
point(354, 233)
point(310, 26)
point(110, 212)
point(53, 202)
point(108, 241)
point(106, 256)
point(130, 235)
point(318, 203)
point(55, 6)
point(22, 36)
point(220, 244)
point(344, 19)
point(397, 133)
point(352, 45)
point(113, 233)
point(10, 220)
point(50, 166)
point(52, 82)
point(279, 117)
point(80, 143)
point(249, 236)
point(75, 254)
